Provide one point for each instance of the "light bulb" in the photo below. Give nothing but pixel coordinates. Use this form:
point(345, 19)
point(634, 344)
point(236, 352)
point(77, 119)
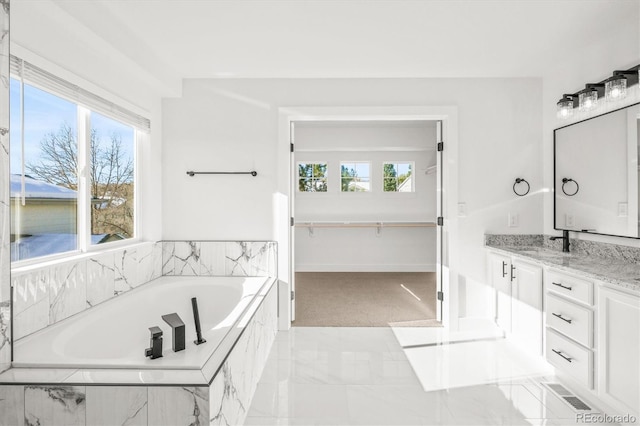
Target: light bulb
point(615, 88)
point(588, 100)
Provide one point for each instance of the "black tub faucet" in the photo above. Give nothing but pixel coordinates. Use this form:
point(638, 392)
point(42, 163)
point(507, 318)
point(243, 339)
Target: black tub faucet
point(565, 240)
point(155, 343)
point(177, 329)
point(196, 319)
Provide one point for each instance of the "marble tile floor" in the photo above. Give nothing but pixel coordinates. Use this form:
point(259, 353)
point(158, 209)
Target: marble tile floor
point(364, 376)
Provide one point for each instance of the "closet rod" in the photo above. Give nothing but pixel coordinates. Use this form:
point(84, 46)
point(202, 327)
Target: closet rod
point(252, 173)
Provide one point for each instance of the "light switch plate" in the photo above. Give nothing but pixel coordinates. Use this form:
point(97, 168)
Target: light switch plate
point(569, 220)
point(462, 209)
point(513, 220)
point(623, 209)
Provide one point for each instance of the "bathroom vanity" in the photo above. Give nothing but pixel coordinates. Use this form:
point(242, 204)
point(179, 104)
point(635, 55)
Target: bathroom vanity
point(581, 311)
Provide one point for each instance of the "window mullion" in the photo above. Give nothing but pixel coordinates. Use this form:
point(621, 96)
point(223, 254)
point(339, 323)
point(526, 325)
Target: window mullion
point(84, 178)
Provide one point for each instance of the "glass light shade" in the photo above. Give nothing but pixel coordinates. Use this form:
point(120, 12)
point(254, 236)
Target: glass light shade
point(615, 88)
point(588, 100)
point(565, 108)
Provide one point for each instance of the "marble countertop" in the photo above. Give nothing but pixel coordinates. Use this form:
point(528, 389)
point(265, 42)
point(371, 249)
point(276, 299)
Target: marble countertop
point(619, 273)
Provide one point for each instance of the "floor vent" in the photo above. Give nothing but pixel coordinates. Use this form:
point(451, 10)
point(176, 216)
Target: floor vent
point(566, 395)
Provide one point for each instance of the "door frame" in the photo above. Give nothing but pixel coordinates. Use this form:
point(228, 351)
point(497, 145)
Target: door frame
point(283, 197)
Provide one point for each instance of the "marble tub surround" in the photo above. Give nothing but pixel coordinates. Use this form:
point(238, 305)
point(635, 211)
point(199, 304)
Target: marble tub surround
point(45, 294)
point(223, 399)
point(219, 258)
point(618, 271)
point(103, 405)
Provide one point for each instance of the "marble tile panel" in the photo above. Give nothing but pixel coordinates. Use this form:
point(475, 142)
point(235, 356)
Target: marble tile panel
point(54, 405)
point(117, 405)
point(30, 302)
point(12, 405)
point(178, 406)
point(187, 258)
point(234, 386)
point(168, 258)
point(149, 262)
point(5, 335)
point(126, 271)
point(250, 259)
point(101, 277)
point(212, 258)
point(67, 290)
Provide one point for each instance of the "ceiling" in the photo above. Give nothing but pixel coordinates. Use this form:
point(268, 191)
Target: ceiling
point(176, 39)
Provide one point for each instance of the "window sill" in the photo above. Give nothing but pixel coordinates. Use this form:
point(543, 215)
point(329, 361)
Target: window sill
point(57, 259)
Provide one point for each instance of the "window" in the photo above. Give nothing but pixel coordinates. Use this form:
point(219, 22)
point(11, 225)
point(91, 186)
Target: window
point(72, 168)
point(44, 204)
point(355, 177)
point(312, 177)
point(398, 177)
point(112, 184)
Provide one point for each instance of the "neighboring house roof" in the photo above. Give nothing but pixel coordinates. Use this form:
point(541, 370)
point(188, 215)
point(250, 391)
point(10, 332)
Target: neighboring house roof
point(406, 185)
point(39, 189)
point(361, 186)
point(46, 244)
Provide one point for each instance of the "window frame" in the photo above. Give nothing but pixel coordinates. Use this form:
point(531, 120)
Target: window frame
point(413, 174)
point(354, 162)
point(298, 177)
point(83, 207)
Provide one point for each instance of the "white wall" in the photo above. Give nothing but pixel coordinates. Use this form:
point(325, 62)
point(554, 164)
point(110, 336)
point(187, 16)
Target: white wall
point(233, 125)
point(618, 48)
point(365, 249)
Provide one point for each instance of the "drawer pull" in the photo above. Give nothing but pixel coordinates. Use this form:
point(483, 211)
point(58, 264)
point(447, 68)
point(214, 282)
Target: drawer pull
point(566, 358)
point(560, 285)
point(561, 317)
point(504, 266)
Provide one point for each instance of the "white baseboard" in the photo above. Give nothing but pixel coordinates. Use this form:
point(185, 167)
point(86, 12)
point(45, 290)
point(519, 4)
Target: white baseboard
point(366, 268)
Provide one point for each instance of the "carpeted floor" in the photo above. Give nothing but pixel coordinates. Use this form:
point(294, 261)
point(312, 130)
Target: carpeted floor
point(365, 299)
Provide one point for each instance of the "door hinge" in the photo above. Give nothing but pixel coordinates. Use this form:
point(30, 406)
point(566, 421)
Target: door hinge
point(440, 296)
point(440, 221)
point(292, 221)
point(440, 146)
point(293, 295)
point(291, 147)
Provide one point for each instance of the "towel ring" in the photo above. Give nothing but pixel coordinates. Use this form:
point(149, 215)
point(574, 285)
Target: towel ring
point(567, 180)
point(520, 180)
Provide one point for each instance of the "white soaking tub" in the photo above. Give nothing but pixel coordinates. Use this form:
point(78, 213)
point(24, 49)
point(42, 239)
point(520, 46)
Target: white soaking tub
point(115, 334)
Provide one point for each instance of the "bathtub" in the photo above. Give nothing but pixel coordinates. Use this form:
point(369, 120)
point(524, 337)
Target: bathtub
point(115, 334)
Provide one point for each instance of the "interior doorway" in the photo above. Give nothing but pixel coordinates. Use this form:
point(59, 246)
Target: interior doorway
point(365, 246)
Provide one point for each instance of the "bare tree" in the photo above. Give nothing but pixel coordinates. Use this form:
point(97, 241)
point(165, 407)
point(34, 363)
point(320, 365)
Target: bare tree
point(111, 176)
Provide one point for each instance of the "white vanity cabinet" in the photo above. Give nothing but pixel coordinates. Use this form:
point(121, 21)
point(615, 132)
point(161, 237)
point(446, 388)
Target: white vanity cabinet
point(569, 318)
point(518, 287)
point(619, 349)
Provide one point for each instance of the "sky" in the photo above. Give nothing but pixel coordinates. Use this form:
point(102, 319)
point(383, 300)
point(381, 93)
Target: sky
point(45, 113)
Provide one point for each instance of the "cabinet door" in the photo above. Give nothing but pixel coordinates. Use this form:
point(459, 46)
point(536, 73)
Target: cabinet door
point(619, 349)
point(500, 270)
point(527, 306)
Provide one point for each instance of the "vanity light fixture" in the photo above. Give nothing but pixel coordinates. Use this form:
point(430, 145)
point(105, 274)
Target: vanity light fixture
point(565, 106)
point(612, 89)
point(588, 98)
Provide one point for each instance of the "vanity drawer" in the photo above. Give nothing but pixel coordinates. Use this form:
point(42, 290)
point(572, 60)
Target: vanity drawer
point(570, 358)
point(570, 319)
point(569, 286)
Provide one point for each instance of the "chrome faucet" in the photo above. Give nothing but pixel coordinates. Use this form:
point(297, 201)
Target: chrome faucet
point(565, 240)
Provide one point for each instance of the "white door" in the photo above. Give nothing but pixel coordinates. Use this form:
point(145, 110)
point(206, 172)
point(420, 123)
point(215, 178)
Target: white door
point(440, 238)
point(501, 279)
point(292, 236)
point(619, 350)
point(526, 312)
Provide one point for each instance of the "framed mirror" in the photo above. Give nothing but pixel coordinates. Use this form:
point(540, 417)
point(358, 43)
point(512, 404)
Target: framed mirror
point(596, 180)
